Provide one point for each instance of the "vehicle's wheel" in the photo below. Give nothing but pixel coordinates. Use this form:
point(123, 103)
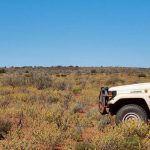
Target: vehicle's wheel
point(131, 112)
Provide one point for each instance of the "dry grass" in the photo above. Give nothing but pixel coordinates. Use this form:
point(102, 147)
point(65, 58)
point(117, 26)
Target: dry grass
point(56, 108)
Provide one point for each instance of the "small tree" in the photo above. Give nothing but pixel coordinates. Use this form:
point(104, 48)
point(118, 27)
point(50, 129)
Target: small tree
point(2, 70)
point(93, 71)
point(142, 75)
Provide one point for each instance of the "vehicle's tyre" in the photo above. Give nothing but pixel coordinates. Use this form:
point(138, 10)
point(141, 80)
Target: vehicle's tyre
point(131, 112)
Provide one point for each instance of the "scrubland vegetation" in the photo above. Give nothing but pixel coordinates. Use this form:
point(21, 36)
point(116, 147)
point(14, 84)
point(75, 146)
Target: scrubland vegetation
point(56, 108)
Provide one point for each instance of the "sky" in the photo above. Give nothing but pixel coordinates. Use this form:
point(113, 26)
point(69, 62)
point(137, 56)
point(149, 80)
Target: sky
point(75, 32)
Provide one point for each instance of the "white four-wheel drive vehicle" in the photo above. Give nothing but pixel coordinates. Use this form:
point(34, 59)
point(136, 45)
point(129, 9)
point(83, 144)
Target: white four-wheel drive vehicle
point(129, 102)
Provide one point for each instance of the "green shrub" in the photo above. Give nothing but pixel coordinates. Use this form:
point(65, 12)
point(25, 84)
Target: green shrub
point(40, 81)
point(77, 91)
point(84, 146)
point(67, 99)
point(93, 71)
point(2, 70)
point(146, 141)
point(5, 127)
point(104, 122)
point(94, 115)
point(61, 85)
point(47, 135)
point(133, 142)
point(125, 136)
point(114, 81)
point(26, 71)
point(140, 129)
point(142, 75)
point(63, 75)
point(76, 133)
point(55, 115)
point(108, 141)
point(16, 140)
point(4, 103)
point(78, 107)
